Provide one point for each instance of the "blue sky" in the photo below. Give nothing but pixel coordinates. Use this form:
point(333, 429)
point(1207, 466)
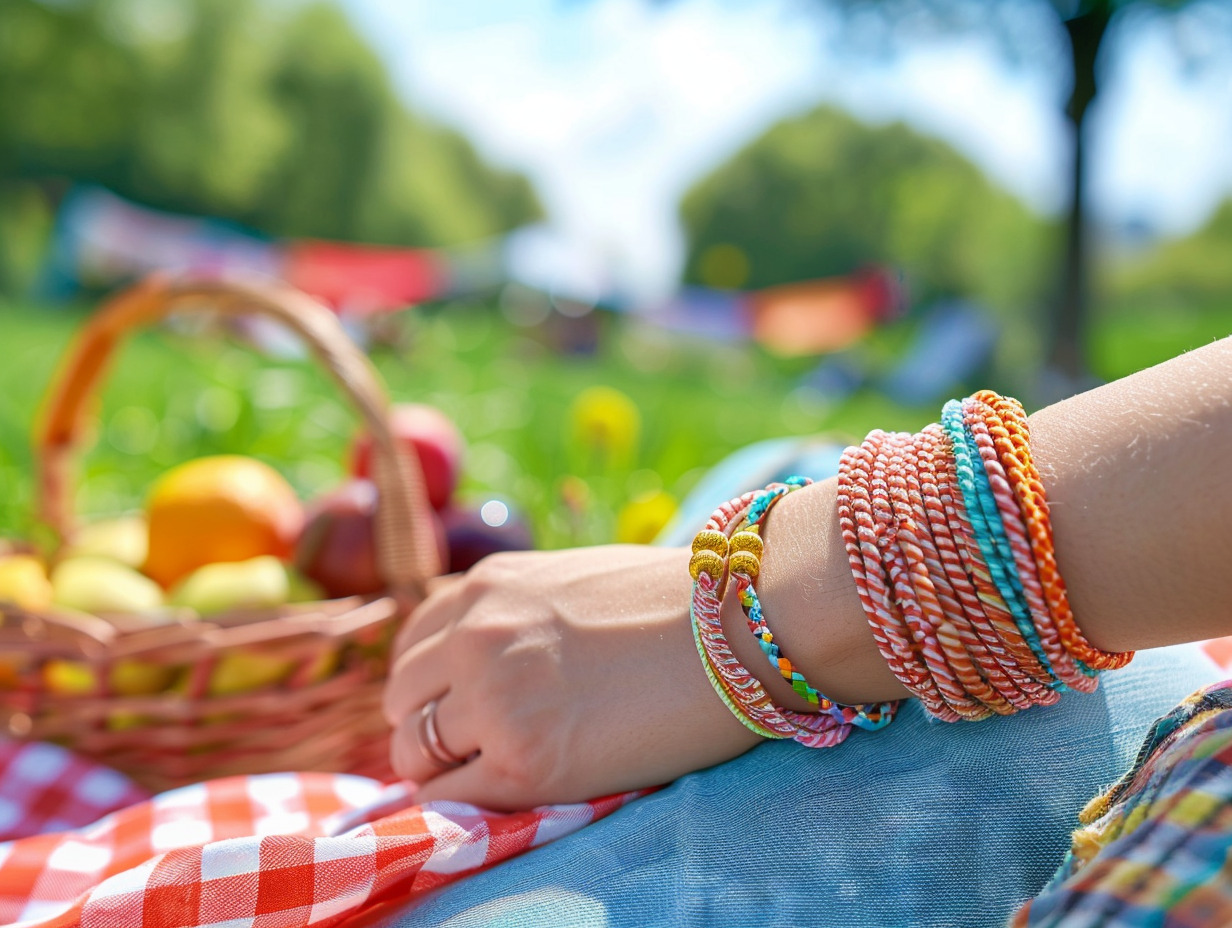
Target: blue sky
point(615, 106)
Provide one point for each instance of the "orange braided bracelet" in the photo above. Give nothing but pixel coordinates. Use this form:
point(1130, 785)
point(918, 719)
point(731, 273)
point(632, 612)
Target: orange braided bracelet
point(1015, 448)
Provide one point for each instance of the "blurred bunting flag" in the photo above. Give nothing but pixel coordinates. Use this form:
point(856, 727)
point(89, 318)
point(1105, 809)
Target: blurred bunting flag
point(102, 239)
point(821, 316)
point(364, 279)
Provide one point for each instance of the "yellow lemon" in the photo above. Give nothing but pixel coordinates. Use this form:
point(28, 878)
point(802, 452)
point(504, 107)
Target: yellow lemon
point(99, 585)
point(69, 678)
point(245, 671)
point(122, 539)
point(23, 581)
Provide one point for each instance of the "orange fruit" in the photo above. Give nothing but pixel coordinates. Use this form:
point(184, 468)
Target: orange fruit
point(217, 509)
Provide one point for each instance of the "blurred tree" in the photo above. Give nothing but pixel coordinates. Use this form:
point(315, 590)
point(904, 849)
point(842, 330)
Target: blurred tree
point(878, 26)
point(207, 133)
point(332, 92)
point(64, 85)
point(823, 193)
point(1182, 275)
point(279, 116)
point(353, 150)
point(1086, 26)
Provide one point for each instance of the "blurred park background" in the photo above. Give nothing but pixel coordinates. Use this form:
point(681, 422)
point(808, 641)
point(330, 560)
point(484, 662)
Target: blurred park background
point(613, 240)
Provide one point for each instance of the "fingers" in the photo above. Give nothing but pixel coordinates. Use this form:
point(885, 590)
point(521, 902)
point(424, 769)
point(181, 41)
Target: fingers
point(421, 673)
point(448, 599)
point(418, 740)
point(477, 783)
point(413, 681)
point(418, 675)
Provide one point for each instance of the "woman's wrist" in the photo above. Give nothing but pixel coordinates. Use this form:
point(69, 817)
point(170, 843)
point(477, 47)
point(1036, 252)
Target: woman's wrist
point(810, 603)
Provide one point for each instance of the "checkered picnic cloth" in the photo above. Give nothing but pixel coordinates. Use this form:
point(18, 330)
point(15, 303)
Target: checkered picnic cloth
point(1155, 848)
point(44, 788)
point(247, 852)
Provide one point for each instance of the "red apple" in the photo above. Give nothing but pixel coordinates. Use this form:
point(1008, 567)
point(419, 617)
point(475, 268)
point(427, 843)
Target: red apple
point(431, 435)
point(475, 530)
point(337, 548)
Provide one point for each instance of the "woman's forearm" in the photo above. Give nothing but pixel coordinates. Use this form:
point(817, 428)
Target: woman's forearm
point(1138, 475)
point(565, 675)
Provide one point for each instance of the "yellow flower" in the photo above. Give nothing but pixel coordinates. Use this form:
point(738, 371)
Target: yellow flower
point(607, 421)
point(641, 519)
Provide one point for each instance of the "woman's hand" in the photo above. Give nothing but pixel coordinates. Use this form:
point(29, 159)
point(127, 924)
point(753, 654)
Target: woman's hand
point(567, 675)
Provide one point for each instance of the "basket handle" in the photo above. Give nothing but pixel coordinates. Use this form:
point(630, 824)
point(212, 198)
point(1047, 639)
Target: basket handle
point(406, 549)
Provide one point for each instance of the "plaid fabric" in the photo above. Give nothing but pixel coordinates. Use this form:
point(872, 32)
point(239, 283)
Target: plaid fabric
point(46, 788)
point(262, 851)
point(1156, 848)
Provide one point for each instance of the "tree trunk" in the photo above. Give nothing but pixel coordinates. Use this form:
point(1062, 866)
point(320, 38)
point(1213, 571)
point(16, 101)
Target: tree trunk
point(1066, 356)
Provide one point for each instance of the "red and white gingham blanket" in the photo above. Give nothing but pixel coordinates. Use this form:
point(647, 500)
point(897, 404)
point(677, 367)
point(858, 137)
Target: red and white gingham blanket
point(283, 849)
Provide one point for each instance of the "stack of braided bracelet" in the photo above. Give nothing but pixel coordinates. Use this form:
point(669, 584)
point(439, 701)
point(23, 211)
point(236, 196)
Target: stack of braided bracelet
point(950, 544)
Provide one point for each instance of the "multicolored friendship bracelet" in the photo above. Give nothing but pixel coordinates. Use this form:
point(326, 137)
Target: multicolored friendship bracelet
point(728, 551)
point(984, 519)
point(950, 545)
point(745, 565)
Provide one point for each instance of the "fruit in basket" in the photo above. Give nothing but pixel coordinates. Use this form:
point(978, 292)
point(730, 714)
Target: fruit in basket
point(100, 585)
point(132, 677)
point(337, 548)
point(69, 678)
point(122, 539)
point(431, 436)
point(302, 590)
point(244, 671)
point(218, 509)
point(24, 582)
point(475, 530)
point(258, 582)
point(127, 677)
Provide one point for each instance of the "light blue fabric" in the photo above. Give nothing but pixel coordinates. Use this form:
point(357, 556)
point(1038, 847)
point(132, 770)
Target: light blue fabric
point(750, 468)
point(920, 824)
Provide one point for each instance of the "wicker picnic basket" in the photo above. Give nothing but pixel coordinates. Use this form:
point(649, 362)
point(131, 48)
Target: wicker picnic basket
point(324, 712)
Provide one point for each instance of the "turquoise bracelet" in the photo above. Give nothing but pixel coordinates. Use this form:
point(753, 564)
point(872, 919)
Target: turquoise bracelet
point(989, 533)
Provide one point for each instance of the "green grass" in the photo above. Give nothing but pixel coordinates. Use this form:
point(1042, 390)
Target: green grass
point(172, 396)
point(1141, 336)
